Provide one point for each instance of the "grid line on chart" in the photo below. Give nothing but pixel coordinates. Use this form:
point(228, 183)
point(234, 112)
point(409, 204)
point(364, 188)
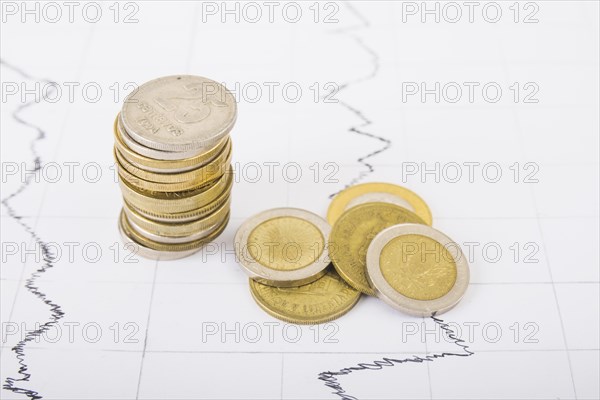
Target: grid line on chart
point(137, 393)
point(521, 137)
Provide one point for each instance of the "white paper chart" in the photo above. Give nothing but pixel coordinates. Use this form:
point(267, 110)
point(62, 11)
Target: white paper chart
point(487, 110)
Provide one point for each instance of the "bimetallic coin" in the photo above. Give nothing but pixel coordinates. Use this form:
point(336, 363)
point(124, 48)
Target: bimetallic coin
point(184, 217)
point(206, 172)
point(179, 113)
point(177, 202)
point(323, 300)
point(176, 229)
point(158, 238)
point(166, 166)
point(367, 192)
point(202, 175)
point(417, 269)
point(152, 249)
point(146, 252)
point(352, 233)
point(283, 247)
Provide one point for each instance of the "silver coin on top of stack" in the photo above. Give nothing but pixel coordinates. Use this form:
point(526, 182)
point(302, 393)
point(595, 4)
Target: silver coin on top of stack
point(173, 155)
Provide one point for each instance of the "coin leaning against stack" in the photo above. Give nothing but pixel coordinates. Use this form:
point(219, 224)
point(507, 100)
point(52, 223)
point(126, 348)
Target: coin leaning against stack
point(173, 155)
point(381, 244)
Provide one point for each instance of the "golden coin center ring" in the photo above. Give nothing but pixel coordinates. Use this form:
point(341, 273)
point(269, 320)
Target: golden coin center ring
point(397, 300)
point(283, 278)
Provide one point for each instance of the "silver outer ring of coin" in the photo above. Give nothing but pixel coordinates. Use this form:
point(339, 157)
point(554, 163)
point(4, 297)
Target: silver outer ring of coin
point(170, 86)
point(152, 153)
point(421, 308)
point(273, 277)
point(152, 254)
point(171, 239)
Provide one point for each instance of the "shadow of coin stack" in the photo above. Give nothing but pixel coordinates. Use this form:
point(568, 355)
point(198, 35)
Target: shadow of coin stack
point(173, 155)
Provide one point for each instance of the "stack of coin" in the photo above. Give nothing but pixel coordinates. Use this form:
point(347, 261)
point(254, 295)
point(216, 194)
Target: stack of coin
point(381, 244)
point(173, 155)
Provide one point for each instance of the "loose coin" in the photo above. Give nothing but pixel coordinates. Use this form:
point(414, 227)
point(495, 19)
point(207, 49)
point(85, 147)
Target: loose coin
point(417, 269)
point(323, 300)
point(352, 233)
point(368, 192)
point(179, 113)
point(283, 247)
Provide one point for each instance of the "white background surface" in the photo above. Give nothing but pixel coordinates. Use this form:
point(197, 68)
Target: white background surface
point(373, 50)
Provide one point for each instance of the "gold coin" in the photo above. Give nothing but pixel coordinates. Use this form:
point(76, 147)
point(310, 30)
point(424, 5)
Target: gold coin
point(176, 229)
point(154, 236)
point(156, 165)
point(184, 217)
point(353, 232)
point(283, 247)
point(268, 243)
point(344, 199)
point(323, 300)
point(418, 267)
point(177, 202)
point(140, 178)
point(133, 235)
point(200, 174)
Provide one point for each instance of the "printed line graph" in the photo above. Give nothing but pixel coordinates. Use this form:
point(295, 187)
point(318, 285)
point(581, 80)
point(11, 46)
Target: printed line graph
point(369, 134)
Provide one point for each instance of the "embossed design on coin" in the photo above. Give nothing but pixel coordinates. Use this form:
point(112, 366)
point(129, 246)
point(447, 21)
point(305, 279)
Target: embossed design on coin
point(179, 113)
point(352, 234)
point(283, 247)
point(286, 243)
point(381, 192)
point(189, 110)
point(417, 269)
point(318, 302)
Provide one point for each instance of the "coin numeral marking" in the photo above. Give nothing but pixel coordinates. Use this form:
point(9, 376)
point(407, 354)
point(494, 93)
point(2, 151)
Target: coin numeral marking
point(197, 107)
